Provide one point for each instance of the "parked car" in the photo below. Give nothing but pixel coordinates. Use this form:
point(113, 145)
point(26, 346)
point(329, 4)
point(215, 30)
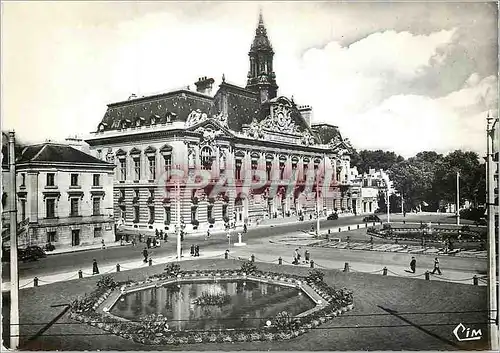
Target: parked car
point(332, 217)
point(30, 253)
point(481, 222)
point(371, 218)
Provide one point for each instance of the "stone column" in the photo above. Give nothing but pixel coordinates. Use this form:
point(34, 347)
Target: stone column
point(32, 198)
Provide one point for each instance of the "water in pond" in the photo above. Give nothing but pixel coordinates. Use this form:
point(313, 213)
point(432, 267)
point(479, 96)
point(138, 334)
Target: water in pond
point(251, 304)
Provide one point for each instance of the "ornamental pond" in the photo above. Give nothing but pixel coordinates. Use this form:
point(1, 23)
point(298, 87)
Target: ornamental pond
point(248, 304)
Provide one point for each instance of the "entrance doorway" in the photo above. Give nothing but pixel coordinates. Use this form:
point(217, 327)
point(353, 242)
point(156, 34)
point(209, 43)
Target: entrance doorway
point(75, 237)
point(238, 210)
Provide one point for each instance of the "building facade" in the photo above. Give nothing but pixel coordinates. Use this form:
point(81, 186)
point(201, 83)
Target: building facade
point(257, 153)
point(65, 196)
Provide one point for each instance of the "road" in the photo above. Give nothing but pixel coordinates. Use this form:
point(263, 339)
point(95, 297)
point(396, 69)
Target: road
point(67, 261)
point(70, 261)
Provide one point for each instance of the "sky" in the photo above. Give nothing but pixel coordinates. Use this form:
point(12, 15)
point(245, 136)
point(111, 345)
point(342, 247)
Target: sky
point(403, 77)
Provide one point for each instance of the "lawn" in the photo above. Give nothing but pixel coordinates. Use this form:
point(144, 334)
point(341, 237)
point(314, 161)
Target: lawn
point(427, 312)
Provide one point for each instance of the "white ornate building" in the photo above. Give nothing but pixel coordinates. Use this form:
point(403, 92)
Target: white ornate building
point(64, 195)
point(239, 135)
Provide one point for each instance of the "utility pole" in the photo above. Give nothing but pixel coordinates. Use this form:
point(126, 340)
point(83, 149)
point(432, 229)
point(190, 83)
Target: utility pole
point(492, 261)
point(402, 204)
point(458, 198)
point(14, 275)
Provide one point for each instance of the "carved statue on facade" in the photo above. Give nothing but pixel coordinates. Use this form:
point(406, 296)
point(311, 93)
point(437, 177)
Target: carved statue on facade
point(191, 158)
point(110, 156)
point(221, 119)
point(222, 159)
point(307, 139)
point(255, 130)
point(195, 117)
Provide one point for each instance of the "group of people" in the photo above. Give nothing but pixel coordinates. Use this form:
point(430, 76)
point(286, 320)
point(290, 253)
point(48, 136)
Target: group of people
point(413, 265)
point(297, 257)
point(152, 242)
point(195, 250)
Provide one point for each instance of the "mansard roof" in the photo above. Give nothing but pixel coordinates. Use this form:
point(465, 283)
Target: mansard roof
point(242, 105)
point(327, 132)
point(176, 104)
point(57, 153)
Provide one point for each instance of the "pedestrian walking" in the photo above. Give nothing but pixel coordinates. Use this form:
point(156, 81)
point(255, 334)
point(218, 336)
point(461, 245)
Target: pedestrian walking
point(196, 251)
point(245, 228)
point(157, 233)
point(192, 250)
point(103, 246)
point(133, 241)
point(307, 256)
point(140, 238)
point(95, 269)
point(145, 254)
point(208, 234)
point(413, 264)
point(296, 257)
point(122, 238)
point(161, 234)
point(436, 266)
point(148, 243)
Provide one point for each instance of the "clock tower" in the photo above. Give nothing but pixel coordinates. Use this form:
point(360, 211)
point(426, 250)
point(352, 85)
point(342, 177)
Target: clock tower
point(261, 77)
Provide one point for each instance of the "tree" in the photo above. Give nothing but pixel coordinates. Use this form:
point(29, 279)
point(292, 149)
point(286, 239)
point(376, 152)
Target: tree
point(414, 179)
point(472, 177)
point(365, 159)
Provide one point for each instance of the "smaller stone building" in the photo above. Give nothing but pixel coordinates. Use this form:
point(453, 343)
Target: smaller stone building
point(65, 195)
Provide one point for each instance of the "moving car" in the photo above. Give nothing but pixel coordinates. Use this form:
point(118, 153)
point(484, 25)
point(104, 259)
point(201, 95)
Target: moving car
point(332, 217)
point(371, 218)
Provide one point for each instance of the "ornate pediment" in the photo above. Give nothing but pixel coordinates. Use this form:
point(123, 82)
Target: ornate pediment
point(342, 146)
point(210, 129)
point(208, 134)
point(280, 120)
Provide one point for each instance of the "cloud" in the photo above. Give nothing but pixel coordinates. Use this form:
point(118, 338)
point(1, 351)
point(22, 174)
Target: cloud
point(366, 89)
point(409, 124)
point(382, 69)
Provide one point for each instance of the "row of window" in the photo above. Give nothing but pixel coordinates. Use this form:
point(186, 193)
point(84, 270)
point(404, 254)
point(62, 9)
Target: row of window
point(75, 236)
point(50, 207)
point(151, 171)
point(168, 213)
point(207, 165)
point(74, 179)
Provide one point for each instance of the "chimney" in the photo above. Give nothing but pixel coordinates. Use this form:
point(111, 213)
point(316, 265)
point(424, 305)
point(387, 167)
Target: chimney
point(306, 112)
point(204, 85)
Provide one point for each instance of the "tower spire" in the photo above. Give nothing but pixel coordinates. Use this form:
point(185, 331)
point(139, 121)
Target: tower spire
point(261, 18)
point(261, 77)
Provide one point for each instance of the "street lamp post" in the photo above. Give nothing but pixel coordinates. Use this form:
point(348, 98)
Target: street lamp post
point(492, 261)
point(178, 192)
point(458, 198)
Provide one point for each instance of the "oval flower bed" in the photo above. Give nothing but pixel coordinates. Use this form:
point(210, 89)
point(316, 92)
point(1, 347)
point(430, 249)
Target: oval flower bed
point(154, 329)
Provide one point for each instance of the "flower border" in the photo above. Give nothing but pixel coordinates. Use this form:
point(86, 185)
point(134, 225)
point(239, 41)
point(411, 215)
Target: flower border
point(86, 310)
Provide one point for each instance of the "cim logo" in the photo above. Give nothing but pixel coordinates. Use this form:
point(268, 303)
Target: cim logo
point(463, 333)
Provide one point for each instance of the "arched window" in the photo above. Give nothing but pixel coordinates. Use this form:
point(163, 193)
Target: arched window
point(206, 158)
